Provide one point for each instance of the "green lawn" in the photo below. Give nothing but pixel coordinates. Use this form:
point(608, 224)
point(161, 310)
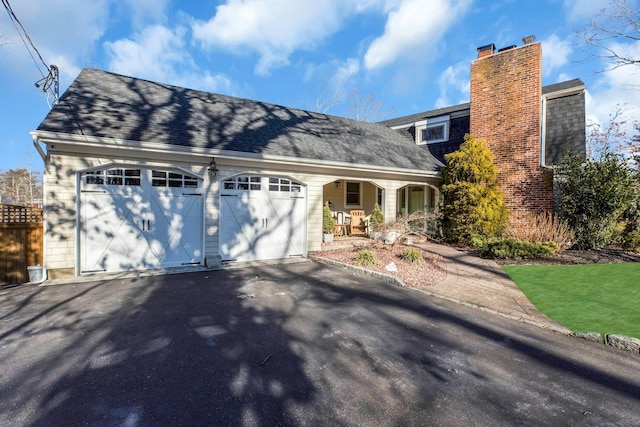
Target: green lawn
point(602, 298)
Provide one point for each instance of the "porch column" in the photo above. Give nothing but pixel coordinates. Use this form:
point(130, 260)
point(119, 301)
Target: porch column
point(391, 201)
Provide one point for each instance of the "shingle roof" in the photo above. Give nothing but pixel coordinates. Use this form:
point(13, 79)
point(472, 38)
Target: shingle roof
point(562, 86)
point(461, 107)
point(425, 114)
point(103, 104)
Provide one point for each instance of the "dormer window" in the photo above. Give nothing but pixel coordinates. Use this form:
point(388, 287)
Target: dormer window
point(432, 130)
point(434, 133)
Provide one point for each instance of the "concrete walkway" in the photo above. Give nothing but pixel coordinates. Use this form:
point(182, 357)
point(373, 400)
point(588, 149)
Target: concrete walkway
point(481, 283)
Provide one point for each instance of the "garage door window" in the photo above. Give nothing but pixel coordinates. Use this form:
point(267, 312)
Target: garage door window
point(113, 177)
point(173, 180)
point(242, 183)
point(284, 185)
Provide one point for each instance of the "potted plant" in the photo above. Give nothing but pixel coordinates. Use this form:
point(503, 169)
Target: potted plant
point(328, 223)
point(375, 222)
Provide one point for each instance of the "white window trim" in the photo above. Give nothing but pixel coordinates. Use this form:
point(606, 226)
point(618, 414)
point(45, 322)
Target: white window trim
point(432, 122)
point(359, 192)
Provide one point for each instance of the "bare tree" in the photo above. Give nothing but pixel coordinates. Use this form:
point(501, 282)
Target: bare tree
point(324, 99)
point(614, 136)
point(362, 108)
point(21, 187)
point(366, 109)
point(618, 23)
point(607, 136)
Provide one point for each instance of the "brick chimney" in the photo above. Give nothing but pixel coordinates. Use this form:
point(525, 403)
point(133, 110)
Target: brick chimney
point(506, 90)
point(486, 50)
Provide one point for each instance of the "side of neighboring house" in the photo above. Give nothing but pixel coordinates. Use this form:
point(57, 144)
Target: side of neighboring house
point(528, 127)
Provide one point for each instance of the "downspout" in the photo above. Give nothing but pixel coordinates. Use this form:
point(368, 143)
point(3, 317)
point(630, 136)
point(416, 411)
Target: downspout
point(543, 134)
point(39, 148)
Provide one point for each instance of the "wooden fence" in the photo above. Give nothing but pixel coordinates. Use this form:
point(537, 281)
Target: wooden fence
point(21, 242)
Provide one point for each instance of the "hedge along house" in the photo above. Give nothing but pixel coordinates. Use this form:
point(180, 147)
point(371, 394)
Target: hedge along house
point(141, 175)
point(527, 126)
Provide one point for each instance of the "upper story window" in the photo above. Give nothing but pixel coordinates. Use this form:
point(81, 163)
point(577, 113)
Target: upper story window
point(433, 130)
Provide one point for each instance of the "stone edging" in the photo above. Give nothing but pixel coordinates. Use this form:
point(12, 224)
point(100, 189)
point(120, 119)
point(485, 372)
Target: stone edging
point(612, 340)
point(386, 277)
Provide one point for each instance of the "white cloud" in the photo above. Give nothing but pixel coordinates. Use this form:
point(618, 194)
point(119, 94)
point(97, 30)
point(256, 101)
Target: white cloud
point(413, 28)
point(454, 80)
point(273, 29)
point(144, 11)
point(555, 54)
point(346, 71)
point(578, 10)
point(158, 53)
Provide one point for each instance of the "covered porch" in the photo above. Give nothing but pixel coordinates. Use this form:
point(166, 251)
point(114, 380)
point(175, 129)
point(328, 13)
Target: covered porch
point(352, 202)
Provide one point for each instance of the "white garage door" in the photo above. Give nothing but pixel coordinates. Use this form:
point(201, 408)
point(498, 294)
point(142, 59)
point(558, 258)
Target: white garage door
point(135, 219)
point(262, 218)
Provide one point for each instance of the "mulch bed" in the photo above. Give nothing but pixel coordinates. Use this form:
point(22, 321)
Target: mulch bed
point(430, 271)
point(571, 257)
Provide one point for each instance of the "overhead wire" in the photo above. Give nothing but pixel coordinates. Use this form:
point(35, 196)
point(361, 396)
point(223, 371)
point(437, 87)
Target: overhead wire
point(47, 79)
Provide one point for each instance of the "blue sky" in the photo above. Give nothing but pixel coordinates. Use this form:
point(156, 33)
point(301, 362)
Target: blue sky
point(409, 55)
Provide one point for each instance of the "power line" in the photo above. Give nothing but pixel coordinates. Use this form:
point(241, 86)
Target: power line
point(52, 72)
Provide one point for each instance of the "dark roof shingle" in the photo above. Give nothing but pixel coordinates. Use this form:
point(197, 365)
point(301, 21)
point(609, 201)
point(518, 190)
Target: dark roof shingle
point(104, 104)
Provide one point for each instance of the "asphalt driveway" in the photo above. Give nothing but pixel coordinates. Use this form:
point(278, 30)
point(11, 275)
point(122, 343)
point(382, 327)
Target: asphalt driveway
point(294, 344)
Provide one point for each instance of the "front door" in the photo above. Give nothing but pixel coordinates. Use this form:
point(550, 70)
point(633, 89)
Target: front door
point(416, 199)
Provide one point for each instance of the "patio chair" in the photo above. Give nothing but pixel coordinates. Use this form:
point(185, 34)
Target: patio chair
point(359, 224)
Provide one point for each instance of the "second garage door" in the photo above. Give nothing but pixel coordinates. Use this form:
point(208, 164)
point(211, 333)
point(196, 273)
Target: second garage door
point(262, 217)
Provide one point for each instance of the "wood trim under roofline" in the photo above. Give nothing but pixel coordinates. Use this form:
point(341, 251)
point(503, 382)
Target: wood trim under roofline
point(137, 146)
point(564, 92)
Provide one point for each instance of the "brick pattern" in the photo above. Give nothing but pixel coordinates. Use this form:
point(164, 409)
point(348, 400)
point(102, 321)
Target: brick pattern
point(506, 91)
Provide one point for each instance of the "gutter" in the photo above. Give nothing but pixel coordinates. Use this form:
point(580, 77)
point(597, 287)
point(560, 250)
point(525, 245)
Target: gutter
point(145, 147)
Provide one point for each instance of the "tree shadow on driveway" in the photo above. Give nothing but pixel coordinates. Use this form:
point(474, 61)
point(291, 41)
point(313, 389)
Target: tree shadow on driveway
point(286, 345)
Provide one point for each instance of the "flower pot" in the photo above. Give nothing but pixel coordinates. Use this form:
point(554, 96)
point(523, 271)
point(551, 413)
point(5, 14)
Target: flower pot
point(327, 237)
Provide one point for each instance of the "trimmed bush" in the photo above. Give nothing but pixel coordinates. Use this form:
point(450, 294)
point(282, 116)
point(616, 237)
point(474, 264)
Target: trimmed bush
point(631, 241)
point(516, 249)
point(411, 255)
point(377, 218)
point(472, 201)
point(365, 258)
point(594, 197)
point(328, 223)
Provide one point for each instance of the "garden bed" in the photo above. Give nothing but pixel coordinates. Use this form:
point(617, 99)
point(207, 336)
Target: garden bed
point(430, 271)
point(570, 257)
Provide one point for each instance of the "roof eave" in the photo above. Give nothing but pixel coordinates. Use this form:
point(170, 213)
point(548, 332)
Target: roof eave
point(49, 137)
